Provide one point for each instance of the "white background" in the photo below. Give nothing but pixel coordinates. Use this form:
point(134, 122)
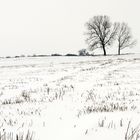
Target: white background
point(57, 26)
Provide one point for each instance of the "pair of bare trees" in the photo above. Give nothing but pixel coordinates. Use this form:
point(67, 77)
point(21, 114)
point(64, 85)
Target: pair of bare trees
point(102, 32)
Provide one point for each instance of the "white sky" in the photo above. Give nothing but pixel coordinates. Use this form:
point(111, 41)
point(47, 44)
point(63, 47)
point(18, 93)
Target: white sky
point(49, 26)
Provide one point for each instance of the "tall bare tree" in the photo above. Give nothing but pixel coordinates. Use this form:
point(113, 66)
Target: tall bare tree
point(124, 37)
point(101, 32)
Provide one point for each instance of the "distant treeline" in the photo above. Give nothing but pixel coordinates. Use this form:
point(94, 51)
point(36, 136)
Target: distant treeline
point(55, 54)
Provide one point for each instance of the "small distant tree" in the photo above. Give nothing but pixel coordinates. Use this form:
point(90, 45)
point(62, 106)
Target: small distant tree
point(124, 37)
point(83, 52)
point(101, 32)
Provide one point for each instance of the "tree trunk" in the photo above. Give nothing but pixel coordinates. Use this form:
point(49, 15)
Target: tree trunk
point(119, 50)
point(104, 49)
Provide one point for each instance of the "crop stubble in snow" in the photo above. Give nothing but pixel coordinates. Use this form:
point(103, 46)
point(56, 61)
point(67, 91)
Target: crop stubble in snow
point(69, 97)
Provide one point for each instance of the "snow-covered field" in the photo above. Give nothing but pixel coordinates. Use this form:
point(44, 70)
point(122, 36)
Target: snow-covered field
point(70, 98)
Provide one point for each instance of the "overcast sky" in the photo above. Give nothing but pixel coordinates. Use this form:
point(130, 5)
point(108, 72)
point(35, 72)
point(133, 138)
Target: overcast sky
point(49, 26)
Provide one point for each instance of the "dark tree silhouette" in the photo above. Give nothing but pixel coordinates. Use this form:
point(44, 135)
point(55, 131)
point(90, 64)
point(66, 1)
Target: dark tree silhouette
point(124, 37)
point(101, 32)
point(82, 52)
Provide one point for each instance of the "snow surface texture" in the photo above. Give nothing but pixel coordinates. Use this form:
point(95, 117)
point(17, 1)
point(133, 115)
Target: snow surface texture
point(70, 98)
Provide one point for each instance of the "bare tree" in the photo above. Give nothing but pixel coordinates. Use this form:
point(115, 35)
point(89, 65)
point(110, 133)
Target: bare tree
point(124, 37)
point(101, 32)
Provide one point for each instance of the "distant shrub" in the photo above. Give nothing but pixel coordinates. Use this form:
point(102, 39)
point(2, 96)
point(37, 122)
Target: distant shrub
point(41, 55)
point(56, 54)
point(83, 52)
point(22, 55)
point(37, 55)
point(34, 55)
point(17, 56)
point(69, 54)
point(8, 56)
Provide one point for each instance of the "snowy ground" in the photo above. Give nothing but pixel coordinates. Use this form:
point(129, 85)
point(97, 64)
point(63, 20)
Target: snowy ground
point(73, 98)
